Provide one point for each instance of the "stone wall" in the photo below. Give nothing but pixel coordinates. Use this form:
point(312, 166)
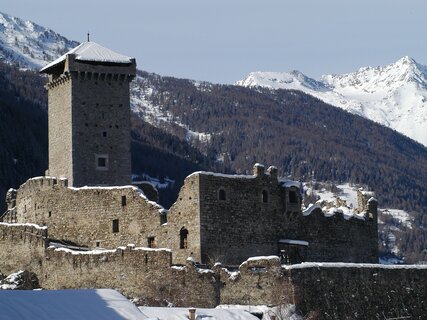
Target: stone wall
point(185, 215)
point(254, 214)
point(337, 239)
point(60, 129)
point(240, 216)
point(101, 128)
point(21, 246)
point(322, 290)
point(257, 281)
point(360, 291)
point(85, 215)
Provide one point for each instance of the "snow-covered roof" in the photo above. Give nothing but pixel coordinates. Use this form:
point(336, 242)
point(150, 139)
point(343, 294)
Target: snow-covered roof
point(67, 304)
point(93, 52)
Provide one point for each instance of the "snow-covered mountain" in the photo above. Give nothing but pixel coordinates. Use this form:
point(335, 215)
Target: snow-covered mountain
point(30, 45)
point(394, 95)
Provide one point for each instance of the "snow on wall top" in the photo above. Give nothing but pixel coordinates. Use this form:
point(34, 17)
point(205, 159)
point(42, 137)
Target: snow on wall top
point(91, 51)
point(223, 175)
point(351, 265)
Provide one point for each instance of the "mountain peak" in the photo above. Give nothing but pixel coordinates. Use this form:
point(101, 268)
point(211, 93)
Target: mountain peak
point(394, 95)
point(28, 44)
point(406, 60)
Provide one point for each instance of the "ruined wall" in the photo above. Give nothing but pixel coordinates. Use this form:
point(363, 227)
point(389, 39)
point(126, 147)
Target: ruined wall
point(185, 215)
point(21, 246)
point(257, 281)
point(136, 272)
point(358, 291)
point(240, 223)
point(336, 239)
point(85, 215)
point(325, 290)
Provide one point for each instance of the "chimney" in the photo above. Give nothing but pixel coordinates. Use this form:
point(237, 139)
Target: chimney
point(192, 313)
point(258, 170)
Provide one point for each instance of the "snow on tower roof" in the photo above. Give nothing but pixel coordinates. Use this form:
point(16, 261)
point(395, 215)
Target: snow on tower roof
point(93, 52)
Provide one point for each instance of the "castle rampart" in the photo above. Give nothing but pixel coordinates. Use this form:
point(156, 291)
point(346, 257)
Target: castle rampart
point(338, 238)
point(328, 290)
point(21, 246)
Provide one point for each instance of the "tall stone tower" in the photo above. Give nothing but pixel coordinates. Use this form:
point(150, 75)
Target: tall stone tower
point(89, 116)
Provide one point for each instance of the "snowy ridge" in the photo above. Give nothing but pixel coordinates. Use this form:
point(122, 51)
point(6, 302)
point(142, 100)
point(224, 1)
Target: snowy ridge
point(30, 45)
point(394, 95)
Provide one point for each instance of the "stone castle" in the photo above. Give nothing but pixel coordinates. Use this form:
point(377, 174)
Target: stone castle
point(85, 225)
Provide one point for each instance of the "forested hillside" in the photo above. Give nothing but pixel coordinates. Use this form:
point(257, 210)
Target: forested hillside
point(294, 131)
point(23, 128)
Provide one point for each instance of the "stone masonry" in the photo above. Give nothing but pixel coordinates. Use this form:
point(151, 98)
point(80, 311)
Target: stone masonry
point(89, 119)
point(216, 217)
point(319, 290)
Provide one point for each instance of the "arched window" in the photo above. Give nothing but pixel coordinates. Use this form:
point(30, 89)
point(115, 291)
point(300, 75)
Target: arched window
point(183, 238)
point(221, 194)
point(264, 196)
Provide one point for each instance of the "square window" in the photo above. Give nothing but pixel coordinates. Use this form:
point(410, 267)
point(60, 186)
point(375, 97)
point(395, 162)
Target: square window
point(101, 162)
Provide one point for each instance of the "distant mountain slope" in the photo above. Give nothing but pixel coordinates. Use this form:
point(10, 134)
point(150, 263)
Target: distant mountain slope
point(296, 132)
point(29, 45)
point(394, 95)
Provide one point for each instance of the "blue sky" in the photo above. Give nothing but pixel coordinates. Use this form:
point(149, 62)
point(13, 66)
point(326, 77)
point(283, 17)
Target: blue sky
point(222, 41)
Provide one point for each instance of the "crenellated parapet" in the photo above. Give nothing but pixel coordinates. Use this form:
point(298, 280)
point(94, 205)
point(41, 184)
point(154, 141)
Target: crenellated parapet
point(24, 233)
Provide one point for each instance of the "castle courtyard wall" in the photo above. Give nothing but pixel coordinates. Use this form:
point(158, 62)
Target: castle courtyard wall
point(325, 290)
point(85, 216)
point(339, 239)
point(21, 246)
point(360, 291)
